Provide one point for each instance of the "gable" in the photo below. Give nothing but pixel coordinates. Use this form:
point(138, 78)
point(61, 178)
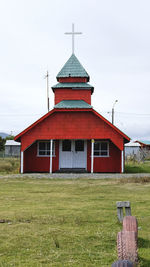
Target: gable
point(72, 124)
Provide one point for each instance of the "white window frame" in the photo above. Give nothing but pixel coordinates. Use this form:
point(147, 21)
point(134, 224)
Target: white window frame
point(46, 141)
point(101, 156)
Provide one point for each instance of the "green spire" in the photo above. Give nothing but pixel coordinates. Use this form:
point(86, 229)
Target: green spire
point(73, 68)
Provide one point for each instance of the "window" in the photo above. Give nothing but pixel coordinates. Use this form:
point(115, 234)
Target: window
point(66, 145)
point(79, 145)
point(101, 149)
point(44, 148)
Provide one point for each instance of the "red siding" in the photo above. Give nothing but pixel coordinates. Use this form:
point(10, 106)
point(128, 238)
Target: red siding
point(72, 80)
point(34, 163)
point(105, 164)
point(72, 125)
point(72, 94)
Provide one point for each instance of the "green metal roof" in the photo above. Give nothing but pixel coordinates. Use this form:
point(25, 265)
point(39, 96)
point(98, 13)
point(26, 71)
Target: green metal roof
point(145, 142)
point(72, 68)
point(72, 104)
point(73, 86)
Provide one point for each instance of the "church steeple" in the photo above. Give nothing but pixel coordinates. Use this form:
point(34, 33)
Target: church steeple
point(73, 80)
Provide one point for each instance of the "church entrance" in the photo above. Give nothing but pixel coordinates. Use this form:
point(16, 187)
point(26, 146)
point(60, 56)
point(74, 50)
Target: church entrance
point(73, 154)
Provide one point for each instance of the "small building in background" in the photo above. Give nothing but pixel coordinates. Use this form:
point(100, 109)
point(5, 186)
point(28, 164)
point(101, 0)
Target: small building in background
point(144, 144)
point(132, 148)
point(12, 148)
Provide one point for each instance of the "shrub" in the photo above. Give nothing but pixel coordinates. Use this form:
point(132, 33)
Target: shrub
point(9, 165)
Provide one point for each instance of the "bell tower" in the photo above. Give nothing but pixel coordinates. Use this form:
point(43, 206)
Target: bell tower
point(73, 79)
point(73, 82)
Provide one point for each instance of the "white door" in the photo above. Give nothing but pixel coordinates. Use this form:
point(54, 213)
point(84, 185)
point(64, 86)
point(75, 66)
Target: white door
point(65, 154)
point(73, 154)
point(80, 154)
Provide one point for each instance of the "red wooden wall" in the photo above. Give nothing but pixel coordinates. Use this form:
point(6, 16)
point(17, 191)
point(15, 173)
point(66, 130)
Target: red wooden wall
point(105, 164)
point(72, 94)
point(33, 163)
point(72, 125)
point(72, 80)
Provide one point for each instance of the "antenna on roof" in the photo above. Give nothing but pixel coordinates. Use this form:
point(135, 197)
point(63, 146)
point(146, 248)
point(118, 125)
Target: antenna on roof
point(47, 85)
point(73, 34)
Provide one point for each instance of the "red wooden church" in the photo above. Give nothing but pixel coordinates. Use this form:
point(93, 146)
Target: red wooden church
point(72, 136)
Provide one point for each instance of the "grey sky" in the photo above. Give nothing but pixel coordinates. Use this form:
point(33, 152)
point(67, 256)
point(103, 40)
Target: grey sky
point(114, 49)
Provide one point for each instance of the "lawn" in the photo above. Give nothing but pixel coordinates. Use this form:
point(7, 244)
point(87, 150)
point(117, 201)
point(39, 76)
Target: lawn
point(54, 222)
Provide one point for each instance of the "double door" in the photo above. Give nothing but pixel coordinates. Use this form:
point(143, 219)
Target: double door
point(73, 154)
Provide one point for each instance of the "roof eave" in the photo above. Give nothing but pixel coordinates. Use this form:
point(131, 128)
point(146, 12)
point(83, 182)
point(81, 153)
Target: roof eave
point(73, 88)
point(126, 138)
point(68, 76)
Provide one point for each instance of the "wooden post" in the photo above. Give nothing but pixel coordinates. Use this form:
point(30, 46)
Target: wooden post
point(128, 211)
point(92, 155)
point(51, 154)
point(120, 205)
point(120, 213)
point(122, 161)
point(21, 169)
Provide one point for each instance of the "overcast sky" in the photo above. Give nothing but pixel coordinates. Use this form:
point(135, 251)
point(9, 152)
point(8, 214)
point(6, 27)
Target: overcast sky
point(114, 49)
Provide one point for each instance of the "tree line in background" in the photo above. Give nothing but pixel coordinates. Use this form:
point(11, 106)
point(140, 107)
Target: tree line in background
point(3, 141)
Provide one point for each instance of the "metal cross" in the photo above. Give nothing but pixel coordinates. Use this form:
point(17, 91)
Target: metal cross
point(47, 79)
point(73, 34)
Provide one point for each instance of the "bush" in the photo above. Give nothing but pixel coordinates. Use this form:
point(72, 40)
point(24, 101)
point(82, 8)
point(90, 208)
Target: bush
point(9, 165)
point(132, 166)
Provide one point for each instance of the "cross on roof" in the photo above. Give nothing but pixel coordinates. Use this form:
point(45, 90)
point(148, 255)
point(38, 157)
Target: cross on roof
point(73, 34)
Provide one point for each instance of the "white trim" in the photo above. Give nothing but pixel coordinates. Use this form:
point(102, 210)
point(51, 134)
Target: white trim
point(21, 169)
point(101, 156)
point(44, 156)
point(122, 161)
point(92, 155)
point(51, 154)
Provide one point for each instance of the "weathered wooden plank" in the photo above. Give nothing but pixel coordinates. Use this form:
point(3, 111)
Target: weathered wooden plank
point(120, 205)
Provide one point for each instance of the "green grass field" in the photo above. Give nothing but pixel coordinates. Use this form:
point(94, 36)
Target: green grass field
point(135, 167)
point(58, 222)
point(12, 165)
